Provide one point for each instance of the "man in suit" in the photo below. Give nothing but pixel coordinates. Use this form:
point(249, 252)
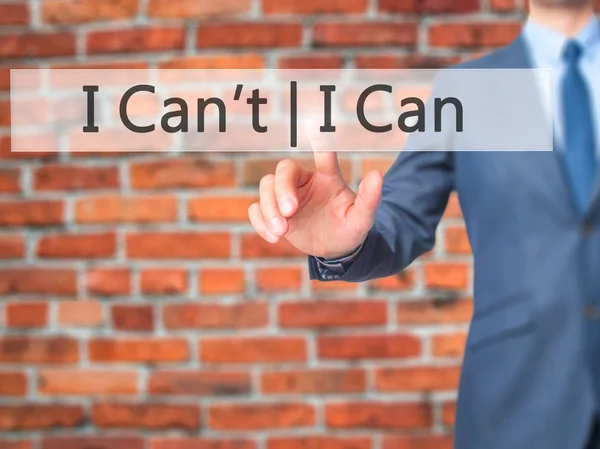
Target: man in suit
point(531, 371)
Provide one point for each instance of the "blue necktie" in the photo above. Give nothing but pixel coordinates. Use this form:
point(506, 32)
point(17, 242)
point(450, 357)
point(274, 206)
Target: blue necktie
point(579, 139)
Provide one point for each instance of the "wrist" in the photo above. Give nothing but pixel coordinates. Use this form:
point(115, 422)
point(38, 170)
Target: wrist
point(342, 257)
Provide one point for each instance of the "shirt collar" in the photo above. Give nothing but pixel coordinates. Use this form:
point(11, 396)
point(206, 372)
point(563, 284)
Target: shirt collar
point(547, 44)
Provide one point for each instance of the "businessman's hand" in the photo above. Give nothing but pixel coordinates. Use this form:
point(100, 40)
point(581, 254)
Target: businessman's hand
point(316, 212)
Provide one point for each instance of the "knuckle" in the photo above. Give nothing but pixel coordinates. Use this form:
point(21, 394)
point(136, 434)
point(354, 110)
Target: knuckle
point(266, 181)
point(252, 208)
point(284, 164)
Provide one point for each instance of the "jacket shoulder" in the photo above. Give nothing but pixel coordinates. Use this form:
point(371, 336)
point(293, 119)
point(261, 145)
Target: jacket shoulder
point(501, 58)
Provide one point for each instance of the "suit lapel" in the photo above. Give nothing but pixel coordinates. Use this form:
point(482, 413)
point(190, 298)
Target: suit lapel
point(540, 166)
point(594, 206)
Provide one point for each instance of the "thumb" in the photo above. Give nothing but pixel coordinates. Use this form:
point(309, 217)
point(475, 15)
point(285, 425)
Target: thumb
point(362, 212)
point(326, 161)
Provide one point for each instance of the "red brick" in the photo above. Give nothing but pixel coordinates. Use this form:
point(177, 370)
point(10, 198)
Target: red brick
point(448, 345)
point(324, 381)
point(254, 246)
point(319, 442)
point(116, 209)
point(178, 245)
point(191, 9)
point(146, 416)
point(38, 280)
point(75, 177)
point(12, 246)
point(87, 383)
point(132, 317)
point(446, 275)
point(253, 350)
point(5, 115)
point(220, 208)
point(393, 61)
point(187, 172)
point(453, 208)
point(77, 246)
point(503, 5)
point(37, 45)
point(197, 383)
point(86, 313)
point(279, 279)
point(378, 346)
point(479, 34)
point(201, 443)
point(135, 40)
point(13, 384)
point(37, 112)
point(164, 281)
point(311, 61)
point(82, 11)
point(10, 180)
point(238, 35)
point(5, 120)
point(114, 65)
point(246, 314)
point(340, 34)
point(220, 61)
point(400, 282)
point(448, 414)
point(14, 14)
point(378, 415)
point(434, 312)
point(429, 6)
point(456, 240)
point(138, 351)
point(4, 86)
point(108, 281)
point(38, 350)
point(96, 442)
point(417, 442)
point(222, 280)
point(16, 444)
point(420, 378)
point(333, 286)
point(40, 416)
point(381, 164)
point(26, 314)
point(313, 6)
point(255, 169)
point(31, 213)
point(328, 313)
point(158, 142)
point(253, 417)
point(6, 147)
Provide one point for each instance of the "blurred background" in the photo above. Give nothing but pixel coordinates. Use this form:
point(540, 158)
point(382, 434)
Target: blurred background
point(138, 309)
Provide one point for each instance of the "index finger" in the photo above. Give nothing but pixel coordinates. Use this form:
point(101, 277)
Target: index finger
point(289, 175)
point(326, 160)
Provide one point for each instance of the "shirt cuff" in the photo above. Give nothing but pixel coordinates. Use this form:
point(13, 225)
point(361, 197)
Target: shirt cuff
point(340, 265)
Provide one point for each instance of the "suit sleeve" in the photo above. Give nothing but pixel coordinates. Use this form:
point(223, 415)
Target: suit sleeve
point(415, 194)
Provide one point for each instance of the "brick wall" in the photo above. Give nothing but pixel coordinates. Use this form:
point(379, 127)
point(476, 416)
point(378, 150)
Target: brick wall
point(139, 311)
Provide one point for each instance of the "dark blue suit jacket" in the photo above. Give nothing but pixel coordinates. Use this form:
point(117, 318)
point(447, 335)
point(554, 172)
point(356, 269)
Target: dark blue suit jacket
point(526, 381)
